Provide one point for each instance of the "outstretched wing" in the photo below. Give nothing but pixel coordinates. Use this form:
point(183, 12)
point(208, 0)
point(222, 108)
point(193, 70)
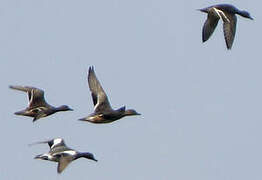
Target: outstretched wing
point(210, 24)
point(99, 96)
point(229, 27)
point(53, 143)
point(35, 95)
point(63, 163)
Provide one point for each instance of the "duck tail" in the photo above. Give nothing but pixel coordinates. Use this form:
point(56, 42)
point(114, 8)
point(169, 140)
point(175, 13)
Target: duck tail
point(20, 112)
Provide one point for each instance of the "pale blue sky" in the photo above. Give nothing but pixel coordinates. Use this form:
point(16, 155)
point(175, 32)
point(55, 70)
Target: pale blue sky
point(200, 104)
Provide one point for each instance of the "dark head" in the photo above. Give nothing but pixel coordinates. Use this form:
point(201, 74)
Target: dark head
point(245, 14)
point(85, 155)
point(131, 112)
point(64, 108)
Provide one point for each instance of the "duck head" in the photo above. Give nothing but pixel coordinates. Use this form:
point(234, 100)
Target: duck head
point(85, 155)
point(245, 14)
point(64, 108)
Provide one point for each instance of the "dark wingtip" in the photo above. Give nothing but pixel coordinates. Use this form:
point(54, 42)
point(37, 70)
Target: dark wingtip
point(204, 39)
point(90, 71)
point(228, 46)
point(59, 172)
point(91, 68)
point(203, 36)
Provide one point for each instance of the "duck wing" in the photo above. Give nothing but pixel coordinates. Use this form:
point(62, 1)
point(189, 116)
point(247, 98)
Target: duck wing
point(210, 24)
point(35, 95)
point(229, 27)
point(64, 161)
point(53, 143)
point(99, 96)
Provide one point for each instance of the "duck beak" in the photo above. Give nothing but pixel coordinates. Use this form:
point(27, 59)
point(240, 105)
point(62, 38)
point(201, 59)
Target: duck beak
point(251, 18)
point(70, 109)
point(95, 160)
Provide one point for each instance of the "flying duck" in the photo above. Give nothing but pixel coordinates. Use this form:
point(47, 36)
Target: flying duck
point(227, 13)
point(37, 107)
point(62, 154)
point(103, 113)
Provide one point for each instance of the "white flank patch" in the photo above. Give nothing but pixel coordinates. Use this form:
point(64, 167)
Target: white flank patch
point(71, 152)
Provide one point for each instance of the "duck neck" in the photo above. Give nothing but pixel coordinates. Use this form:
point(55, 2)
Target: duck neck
point(127, 113)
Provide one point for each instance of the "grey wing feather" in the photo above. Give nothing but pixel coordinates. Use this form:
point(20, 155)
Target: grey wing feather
point(35, 95)
point(99, 96)
point(210, 25)
point(26, 89)
point(50, 144)
point(22, 88)
point(230, 29)
point(63, 163)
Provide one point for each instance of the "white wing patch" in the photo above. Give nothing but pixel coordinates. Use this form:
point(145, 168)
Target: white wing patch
point(219, 13)
point(97, 103)
point(57, 141)
point(31, 98)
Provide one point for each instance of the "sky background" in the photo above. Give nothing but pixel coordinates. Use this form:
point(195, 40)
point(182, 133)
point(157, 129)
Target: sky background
point(200, 103)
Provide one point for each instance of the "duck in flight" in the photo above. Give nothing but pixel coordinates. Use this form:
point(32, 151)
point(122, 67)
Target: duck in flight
point(227, 13)
point(62, 154)
point(103, 113)
point(38, 107)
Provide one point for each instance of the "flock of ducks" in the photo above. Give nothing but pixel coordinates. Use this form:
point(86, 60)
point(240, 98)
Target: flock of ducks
point(39, 108)
point(103, 112)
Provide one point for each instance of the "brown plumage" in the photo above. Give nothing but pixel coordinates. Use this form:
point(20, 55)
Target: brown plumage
point(103, 113)
point(37, 107)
